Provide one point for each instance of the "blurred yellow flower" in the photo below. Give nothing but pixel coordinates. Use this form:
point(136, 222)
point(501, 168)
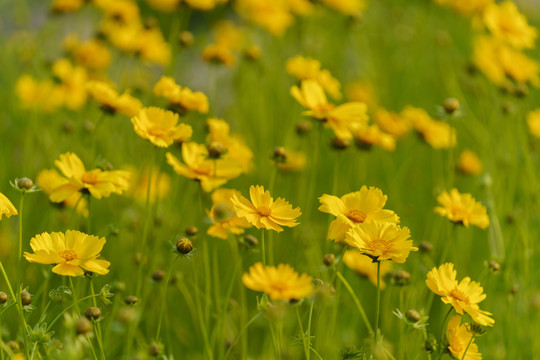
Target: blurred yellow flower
point(469, 163)
point(364, 266)
point(392, 123)
point(533, 122)
point(164, 5)
point(438, 134)
point(279, 282)
point(234, 145)
point(71, 253)
point(219, 54)
point(363, 206)
point(469, 7)
point(204, 5)
point(6, 207)
point(346, 7)
point(66, 5)
point(263, 212)
point(160, 127)
point(159, 189)
point(307, 68)
point(273, 16)
point(38, 95)
point(460, 340)
point(50, 179)
point(371, 135)
point(294, 162)
point(381, 241)
point(72, 82)
point(507, 24)
point(92, 54)
point(183, 97)
point(362, 91)
point(463, 296)
point(97, 182)
point(110, 101)
point(223, 217)
point(462, 209)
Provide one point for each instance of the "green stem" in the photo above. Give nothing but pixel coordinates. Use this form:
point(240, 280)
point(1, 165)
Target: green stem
point(164, 297)
point(263, 248)
point(467, 348)
point(240, 334)
point(443, 326)
point(309, 329)
point(67, 308)
point(75, 302)
point(20, 253)
point(378, 303)
point(357, 302)
point(99, 335)
point(303, 334)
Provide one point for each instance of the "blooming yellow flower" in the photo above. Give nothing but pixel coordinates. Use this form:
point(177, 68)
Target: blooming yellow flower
point(40, 95)
point(97, 182)
point(279, 282)
point(273, 16)
point(470, 7)
point(308, 68)
point(343, 119)
point(71, 253)
point(469, 163)
point(72, 82)
point(159, 189)
point(219, 132)
point(533, 122)
point(392, 123)
point(460, 339)
point(92, 54)
point(381, 241)
point(263, 211)
point(6, 207)
point(365, 205)
point(507, 24)
point(364, 266)
point(371, 135)
point(50, 179)
point(223, 217)
point(362, 91)
point(110, 101)
point(163, 5)
point(462, 209)
point(160, 127)
point(220, 54)
point(295, 162)
point(463, 296)
point(65, 6)
point(183, 97)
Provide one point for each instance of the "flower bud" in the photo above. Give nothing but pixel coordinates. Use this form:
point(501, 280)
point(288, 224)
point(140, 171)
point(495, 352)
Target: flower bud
point(412, 315)
point(191, 230)
point(402, 277)
point(329, 259)
point(83, 326)
point(494, 266)
point(215, 150)
point(184, 246)
point(450, 105)
point(25, 183)
point(92, 313)
point(279, 154)
point(13, 345)
point(158, 275)
point(131, 300)
point(186, 38)
point(253, 52)
point(26, 298)
point(430, 345)
point(340, 144)
point(426, 247)
point(3, 298)
point(251, 240)
point(304, 127)
point(154, 350)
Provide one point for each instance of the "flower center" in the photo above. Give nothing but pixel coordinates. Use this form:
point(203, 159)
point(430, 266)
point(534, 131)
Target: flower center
point(381, 245)
point(264, 211)
point(89, 178)
point(356, 216)
point(68, 255)
point(459, 295)
point(456, 347)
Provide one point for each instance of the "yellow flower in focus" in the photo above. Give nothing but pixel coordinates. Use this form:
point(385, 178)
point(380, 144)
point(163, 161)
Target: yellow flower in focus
point(263, 212)
point(160, 127)
point(533, 122)
point(343, 119)
point(211, 173)
point(371, 135)
point(507, 24)
point(460, 339)
point(159, 189)
point(219, 132)
point(71, 253)
point(6, 207)
point(346, 7)
point(364, 266)
point(279, 282)
point(463, 296)
point(392, 123)
point(110, 101)
point(462, 209)
point(97, 182)
point(381, 241)
point(223, 217)
point(469, 163)
point(50, 179)
point(363, 206)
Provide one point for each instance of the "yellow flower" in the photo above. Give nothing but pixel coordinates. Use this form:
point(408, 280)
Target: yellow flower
point(219, 54)
point(160, 127)
point(97, 182)
point(365, 205)
point(462, 209)
point(274, 16)
point(163, 5)
point(6, 207)
point(346, 7)
point(211, 173)
point(219, 132)
point(295, 162)
point(381, 241)
point(263, 211)
point(459, 338)
point(362, 91)
point(72, 83)
point(438, 134)
point(507, 24)
point(463, 296)
point(368, 136)
point(185, 98)
point(307, 68)
point(469, 163)
point(92, 54)
point(50, 179)
point(65, 6)
point(44, 96)
point(110, 101)
point(469, 7)
point(71, 253)
point(364, 266)
point(533, 121)
point(223, 216)
point(343, 119)
point(279, 282)
point(160, 187)
point(204, 5)
point(392, 123)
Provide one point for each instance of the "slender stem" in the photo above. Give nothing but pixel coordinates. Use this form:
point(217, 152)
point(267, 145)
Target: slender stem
point(467, 348)
point(240, 334)
point(263, 248)
point(88, 219)
point(355, 298)
point(309, 329)
point(18, 304)
point(33, 351)
point(164, 297)
point(303, 334)
point(75, 302)
point(20, 254)
point(378, 303)
point(67, 308)
point(99, 335)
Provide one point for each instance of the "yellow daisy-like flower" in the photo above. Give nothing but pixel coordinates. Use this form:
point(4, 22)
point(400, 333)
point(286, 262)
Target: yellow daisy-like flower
point(159, 189)
point(50, 179)
point(507, 24)
point(371, 135)
point(469, 163)
point(219, 132)
point(182, 97)
point(97, 182)
point(365, 205)
point(279, 282)
point(111, 101)
point(381, 241)
point(392, 123)
point(463, 296)
point(363, 266)
point(71, 253)
point(462, 209)
point(307, 68)
point(460, 339)
point(6, 207)
point(160, 127)
point(263, 211)
point(223, 217)
point(533, 122)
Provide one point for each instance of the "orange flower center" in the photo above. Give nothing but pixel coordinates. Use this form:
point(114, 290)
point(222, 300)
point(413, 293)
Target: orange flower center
point(459, 295)
point(68, 255)
point(264, 211)
point(456, 347)
point(381, 245)
point(89, 178)
point(356, 216)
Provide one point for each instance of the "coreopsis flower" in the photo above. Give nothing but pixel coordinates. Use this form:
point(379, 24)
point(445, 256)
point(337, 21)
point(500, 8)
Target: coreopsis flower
point(65, 6)
point(182, 97)
point(159, 189)
point(223, 217)
point(533, 122)
point(462, 209)
point(469, 163)
point(363, 206)
point(362, 91)
point(363, 266)
point(346, 7)
point(233, 144)
point(343, 119)
point(220, 54)
point(39, 95)
point(6, 207)
point(211, 173)
point(371, 135)
point(294, 162)
point(50, 179)
point(111, 101)
point(460, 339)
point(471, 7)
point(72, 82)
point(307, 68)
point(273, 16)
point(92, 54)
point(204, 5)
point(72, 253)
point(160, 127)
point(392, 123)
point(263, 212)
point(97, 182)
point(464, 296)
point(381, 241)
point(279, 282)
point(438, 134)
point(507, 24)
